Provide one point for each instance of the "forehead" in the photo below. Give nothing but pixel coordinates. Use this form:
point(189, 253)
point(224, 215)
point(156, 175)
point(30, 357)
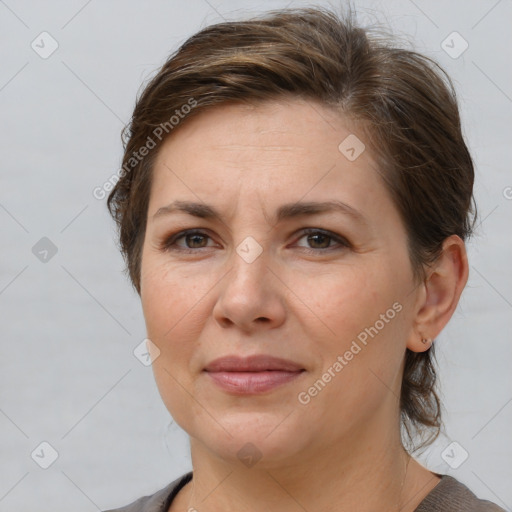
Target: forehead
point(275, 150)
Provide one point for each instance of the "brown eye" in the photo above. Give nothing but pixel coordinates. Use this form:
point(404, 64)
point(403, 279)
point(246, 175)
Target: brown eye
point(320, 240)
point(324, 241)
point(193, 240)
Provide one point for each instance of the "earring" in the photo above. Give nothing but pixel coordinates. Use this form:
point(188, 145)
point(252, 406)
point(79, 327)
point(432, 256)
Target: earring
point(426, 340)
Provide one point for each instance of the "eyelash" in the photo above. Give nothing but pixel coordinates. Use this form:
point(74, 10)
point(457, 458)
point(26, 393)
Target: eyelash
point(168, 244)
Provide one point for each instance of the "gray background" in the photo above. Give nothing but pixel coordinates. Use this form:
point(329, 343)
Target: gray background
point(69, 325)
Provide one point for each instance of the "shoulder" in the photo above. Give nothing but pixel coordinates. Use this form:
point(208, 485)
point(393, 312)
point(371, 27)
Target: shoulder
point(157, 502)
point(453, 496)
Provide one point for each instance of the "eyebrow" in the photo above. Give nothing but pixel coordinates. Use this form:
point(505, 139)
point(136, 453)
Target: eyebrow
point(286, 211)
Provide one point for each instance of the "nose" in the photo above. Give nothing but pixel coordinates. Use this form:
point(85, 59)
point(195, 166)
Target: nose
point(251, 294)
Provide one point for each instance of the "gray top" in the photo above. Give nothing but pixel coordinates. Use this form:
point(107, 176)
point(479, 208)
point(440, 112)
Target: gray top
point(449, 495)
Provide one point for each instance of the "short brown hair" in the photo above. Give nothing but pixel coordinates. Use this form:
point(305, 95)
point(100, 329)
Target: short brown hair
point(405, 100)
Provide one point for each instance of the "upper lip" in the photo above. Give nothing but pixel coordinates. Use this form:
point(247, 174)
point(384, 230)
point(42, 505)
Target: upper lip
point(255, 363)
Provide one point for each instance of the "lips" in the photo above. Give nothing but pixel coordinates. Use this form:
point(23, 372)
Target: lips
point(256, 363)
point(252, 375)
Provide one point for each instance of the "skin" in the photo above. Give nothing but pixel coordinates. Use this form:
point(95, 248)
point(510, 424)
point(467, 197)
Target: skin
point(246, 161)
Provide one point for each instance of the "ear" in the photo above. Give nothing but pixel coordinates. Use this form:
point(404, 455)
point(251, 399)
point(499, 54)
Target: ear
point(439, 294)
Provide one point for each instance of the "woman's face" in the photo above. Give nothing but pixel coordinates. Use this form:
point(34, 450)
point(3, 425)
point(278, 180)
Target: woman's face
point(329, 289)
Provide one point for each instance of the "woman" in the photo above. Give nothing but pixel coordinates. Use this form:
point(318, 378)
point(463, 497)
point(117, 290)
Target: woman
point(293, 207)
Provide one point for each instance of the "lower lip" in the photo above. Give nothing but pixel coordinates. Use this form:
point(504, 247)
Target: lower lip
point(245, 383)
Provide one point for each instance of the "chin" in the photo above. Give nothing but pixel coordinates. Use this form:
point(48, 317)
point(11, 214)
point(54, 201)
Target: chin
point(253, 439)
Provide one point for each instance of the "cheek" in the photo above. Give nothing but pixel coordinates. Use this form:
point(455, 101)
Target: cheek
point(177, 303)
point(171, 307)
point(351, 298)
point(363, 309)
point(168, 308)
point(169, 297)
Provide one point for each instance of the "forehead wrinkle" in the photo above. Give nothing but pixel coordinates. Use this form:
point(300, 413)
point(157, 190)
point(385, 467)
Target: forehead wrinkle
point(265, 146)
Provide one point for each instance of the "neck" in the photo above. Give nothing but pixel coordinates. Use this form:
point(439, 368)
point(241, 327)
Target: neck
point(377, 477)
